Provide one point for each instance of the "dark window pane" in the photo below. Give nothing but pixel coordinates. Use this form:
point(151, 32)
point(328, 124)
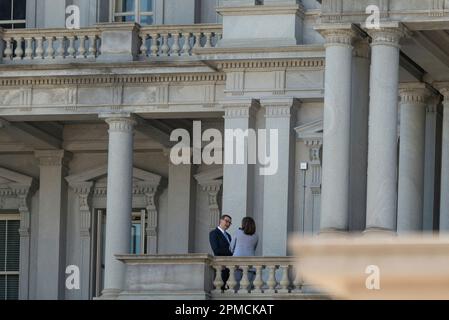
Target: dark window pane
point(19, 9)
point(6, 26)
point(12, 287)
point(2, 287)
point(146, 5)
point(2, 245)
point(13, 246)
point(146, 20)
point(125, 5)
point(18, 26)
point(5, 9)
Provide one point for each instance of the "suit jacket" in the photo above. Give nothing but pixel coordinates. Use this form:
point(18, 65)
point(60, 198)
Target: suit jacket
point(219, 244)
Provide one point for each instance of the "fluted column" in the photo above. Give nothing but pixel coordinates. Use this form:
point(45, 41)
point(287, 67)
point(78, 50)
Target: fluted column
point(444, 192)
point(336, 125)
point(411, 156)
point(382, 137)
point(119, 201)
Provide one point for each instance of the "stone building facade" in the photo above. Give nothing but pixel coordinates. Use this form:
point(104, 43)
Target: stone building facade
point(86, 117)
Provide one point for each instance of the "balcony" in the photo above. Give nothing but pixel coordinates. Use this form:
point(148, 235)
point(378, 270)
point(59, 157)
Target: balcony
point(106, 42)
point(198, 276)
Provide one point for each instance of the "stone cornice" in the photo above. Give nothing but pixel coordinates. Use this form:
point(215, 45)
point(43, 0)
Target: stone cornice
point(112, 79)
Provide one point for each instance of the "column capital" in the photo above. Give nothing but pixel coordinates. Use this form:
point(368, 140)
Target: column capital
point(53, 157)
point(389, 34)
point(279, 107)
point(240, 108)
point(119, 122)
point(342, 34)
point(414, 92)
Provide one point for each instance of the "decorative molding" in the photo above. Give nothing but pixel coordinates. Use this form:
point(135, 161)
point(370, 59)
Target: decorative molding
point(272, 64)
point(111, 79)
point(336, 37)
point(245, 108)
point(121, 124)
point(279, 82)
point(210, 183)
point(235, 83)
point(162, 94)
point(53, 157)
point(71, 98)
point(387, 36)
point(117, 96)
point(414, 93)
point(83, 191)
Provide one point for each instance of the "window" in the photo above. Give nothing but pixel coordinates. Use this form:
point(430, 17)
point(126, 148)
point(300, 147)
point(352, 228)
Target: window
point(9, 256)
point(12, 14)
point(140, 11)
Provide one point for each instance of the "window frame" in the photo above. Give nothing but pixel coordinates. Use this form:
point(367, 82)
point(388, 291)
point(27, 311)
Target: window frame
point(157, 12)
point(12, 22)
point(10, 217)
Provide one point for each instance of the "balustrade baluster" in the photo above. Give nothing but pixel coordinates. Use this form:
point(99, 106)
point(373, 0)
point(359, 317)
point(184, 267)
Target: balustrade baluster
point(297, 283)
point(175, 47)
point(186, 47)
point(271, 283)
point(232, 283)
point(50, 52)
point(244, 282)
point(258, 281)
point(39, 48)
point(154, 44)
point(143, 46)
point(218, 282)
point(71, 52)
point(82, 48)
point(285, 281)
point(19, 51)
point(165, 48)
point(197, 40)
point(208, 43)
point(92, 46)
point(61, 48)
point(8, 54)
point(29, 48)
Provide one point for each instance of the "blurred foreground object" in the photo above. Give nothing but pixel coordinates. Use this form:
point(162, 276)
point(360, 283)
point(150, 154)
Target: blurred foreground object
point(364, 267)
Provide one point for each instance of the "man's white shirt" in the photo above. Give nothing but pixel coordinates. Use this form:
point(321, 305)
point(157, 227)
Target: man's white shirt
point(224, 233)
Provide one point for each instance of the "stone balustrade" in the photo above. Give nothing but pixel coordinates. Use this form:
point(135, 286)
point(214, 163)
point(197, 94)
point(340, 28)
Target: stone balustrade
point(50, 44)
point(177, 40)
point(257, 276)
point(198, 276)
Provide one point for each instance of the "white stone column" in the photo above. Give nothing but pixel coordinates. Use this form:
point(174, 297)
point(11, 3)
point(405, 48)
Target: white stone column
point(382, 140)
point(411, 156)
point(51, 239)
point(278, 186)
point(336, 129)
point(430, 163)
point(119, 201)
point(444, 191)
point(359, 135)
point(181, 208)
point(238, 177)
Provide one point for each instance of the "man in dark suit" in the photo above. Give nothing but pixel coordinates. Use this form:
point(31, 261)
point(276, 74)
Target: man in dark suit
point(220, 242)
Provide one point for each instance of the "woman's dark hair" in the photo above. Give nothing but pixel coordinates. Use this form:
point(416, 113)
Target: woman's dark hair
point(248, 226)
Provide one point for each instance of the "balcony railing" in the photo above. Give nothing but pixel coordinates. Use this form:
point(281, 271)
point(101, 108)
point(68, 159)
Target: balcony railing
point(199, 276)
point(32, 46)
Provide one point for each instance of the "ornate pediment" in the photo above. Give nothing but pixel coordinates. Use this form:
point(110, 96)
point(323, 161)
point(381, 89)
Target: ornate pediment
point(310, 131)
point(210, 177)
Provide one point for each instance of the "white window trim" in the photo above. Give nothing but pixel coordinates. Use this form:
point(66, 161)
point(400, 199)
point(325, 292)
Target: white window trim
point(157, 13)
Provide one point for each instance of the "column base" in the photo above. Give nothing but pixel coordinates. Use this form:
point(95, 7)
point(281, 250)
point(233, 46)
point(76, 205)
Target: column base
point(379, 233)
point(109, 294)
point(333, 233)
